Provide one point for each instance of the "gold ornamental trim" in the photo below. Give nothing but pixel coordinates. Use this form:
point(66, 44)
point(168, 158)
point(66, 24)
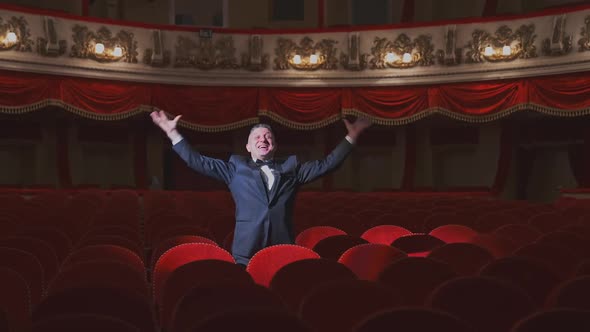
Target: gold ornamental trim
point(298, 125)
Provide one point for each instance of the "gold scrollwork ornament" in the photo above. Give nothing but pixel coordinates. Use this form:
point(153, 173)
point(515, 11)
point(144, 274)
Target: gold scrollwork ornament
point(122, 46)
point(15, 35)
point(307, 55)
point(206, 54)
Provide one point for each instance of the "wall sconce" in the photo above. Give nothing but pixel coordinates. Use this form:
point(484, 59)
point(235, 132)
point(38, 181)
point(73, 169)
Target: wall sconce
point(103, 46)
point(394, 60)
point(503, 53)
point(305, 55)
point(9, 40)
point(103, 52)
point(307, 62)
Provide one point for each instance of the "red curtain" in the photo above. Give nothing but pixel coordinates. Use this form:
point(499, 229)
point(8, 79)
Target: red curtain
point(505, 157)
point(224, 108)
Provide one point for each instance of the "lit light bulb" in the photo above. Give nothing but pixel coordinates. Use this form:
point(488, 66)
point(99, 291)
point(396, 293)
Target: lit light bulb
point(313, 59)
point(390, 57)
point(117, 51)
point(407, 58)
point(99, 48)
point(489, 51)
point(11, 37)
point(506, 50)
point(297, 59)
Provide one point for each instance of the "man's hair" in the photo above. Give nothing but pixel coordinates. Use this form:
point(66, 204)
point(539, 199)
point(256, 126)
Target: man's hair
point(261, 125)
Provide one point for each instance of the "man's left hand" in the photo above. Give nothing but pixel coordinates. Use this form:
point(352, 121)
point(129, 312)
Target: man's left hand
point(357, 127)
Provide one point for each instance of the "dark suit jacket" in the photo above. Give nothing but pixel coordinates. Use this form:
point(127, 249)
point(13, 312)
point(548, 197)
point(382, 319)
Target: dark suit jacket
point(263, 217)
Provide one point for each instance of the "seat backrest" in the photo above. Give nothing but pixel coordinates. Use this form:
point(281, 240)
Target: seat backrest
point(452, 233)
point(573, 293)
point(384, 234)
point(193, 274)
point(295, 280)
point(339, 305)
point(252, 319)
point(106, 252)
point(118, 303)
point(266, 262)
point(15, 300)
point(415, 277)
point(368, 260)
point(172, 242)
point(417, 244)
point(311, 236)
point(207, 300)
point(100, 273)
point(465, 258)
point(487, 304)
point(521, 234)
point(28, 266)
point(334, 246)
point(42, 250)
point(180, 255)
point(413, 319)
point(573, 320)
point(534, 277)
point(83, 322)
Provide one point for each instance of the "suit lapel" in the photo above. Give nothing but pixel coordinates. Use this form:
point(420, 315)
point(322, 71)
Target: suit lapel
point(278, 169)
point(257, 175)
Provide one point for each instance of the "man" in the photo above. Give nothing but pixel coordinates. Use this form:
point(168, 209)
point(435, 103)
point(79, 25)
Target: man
point(263, 188)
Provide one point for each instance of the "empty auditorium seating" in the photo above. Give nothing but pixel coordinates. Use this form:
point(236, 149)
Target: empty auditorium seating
point(451, 233)
point(15, 301)
point(465, 258)
point(338, 306)
point(295, 280)
point(417, 244)
point(180, 255)
point(572, 293)
point(107, 253)
point(207, 300)
point(312, 235)
point(384, 234)
point(413, 278)
point(570, 320)
point(534, 277)
point(106, 274)
point(28, 267)
point(334, 246)
point(117, 303)
point(172, 242)
point(196, 274)
point(368, 260)
point(252, 319)
point(266, 262)
point(412, 319)
point(83, 322)
point(487, 304)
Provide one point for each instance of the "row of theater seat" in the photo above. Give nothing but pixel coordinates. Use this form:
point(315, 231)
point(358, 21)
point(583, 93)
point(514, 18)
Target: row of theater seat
point(61, 255)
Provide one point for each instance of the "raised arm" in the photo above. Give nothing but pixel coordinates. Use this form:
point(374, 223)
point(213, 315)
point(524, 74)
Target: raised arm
point(215, 168)
point(312, 170)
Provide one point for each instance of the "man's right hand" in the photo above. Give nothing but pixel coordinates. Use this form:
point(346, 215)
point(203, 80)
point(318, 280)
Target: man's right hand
point(168, 126)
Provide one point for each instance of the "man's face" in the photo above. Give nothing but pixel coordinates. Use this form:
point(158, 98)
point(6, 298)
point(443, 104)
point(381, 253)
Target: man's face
point(261, 144)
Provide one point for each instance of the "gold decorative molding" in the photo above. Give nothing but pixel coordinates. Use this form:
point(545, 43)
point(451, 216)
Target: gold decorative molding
point(307, 55)
point(87, 45)
point(559, 43)
point(584, 42)
point(156, 56)
point(206, 54)
point(355, 59)
point(451, 55)
point(402, 53)
point(505, 45)
point(255, 59)
point(50, 45)
point(15, 35)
